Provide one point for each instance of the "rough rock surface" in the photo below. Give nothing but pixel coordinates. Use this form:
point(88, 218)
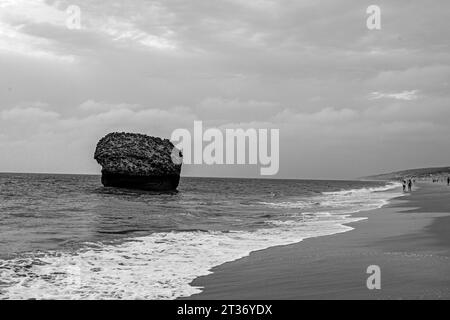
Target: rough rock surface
point(138, 161)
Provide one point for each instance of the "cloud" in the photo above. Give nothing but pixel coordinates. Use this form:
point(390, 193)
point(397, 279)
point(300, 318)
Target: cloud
point(404, 95)
point(26, 114)
point(16, 15)
point(98, 107)
point(123, 31)
point(38, 28)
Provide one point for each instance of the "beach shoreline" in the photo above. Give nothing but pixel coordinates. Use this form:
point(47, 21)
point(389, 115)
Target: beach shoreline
point(407, 239)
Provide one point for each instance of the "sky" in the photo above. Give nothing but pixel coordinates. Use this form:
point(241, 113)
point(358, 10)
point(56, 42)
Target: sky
point(348, 101)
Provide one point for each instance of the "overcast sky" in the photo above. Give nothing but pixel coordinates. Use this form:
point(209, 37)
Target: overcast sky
point(348, 101)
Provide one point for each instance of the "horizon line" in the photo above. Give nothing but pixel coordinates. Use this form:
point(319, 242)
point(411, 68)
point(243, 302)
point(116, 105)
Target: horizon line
point(182, 176)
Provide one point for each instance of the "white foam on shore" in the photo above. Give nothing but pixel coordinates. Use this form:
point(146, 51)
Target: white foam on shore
point(158, 266)
point(350, 201)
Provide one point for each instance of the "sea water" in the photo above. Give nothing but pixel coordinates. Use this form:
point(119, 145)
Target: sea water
point(67, 237)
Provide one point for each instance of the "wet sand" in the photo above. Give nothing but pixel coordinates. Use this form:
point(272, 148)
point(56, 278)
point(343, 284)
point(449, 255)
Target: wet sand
point(408, 239)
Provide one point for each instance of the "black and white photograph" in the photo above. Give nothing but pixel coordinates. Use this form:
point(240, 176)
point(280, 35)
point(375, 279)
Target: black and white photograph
point(224, 150)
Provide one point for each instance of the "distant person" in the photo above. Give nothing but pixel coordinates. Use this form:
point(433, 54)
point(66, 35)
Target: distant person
point(404, 186)
point(448, 181)
point(409, 185)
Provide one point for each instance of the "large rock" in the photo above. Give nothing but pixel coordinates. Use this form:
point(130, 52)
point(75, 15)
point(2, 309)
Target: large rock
point(138, 161)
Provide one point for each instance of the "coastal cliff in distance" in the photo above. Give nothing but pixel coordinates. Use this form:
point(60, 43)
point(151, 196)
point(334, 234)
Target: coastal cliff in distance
point(138, 161)
point(422, 173)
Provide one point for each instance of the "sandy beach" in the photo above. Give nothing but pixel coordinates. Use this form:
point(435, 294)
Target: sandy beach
point(408, 239)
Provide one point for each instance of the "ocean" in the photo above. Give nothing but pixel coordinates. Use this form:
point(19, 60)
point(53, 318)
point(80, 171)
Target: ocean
point(67, 237)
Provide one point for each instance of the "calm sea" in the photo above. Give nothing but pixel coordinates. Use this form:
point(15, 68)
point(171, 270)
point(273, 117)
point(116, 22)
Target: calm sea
point(65, 236)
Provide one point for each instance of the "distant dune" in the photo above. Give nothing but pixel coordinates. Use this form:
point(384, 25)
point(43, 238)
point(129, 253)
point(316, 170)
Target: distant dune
point(416, 173)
